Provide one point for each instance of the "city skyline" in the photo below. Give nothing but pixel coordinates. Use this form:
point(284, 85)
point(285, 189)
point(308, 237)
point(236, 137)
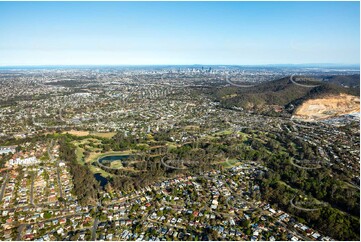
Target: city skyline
point(179, 33)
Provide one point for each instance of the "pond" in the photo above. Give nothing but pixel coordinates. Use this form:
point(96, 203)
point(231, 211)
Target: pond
point(111, 158)
point(103, 181)
point(108, 159)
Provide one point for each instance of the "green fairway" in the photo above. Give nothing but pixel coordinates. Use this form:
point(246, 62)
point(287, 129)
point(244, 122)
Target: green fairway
point(230, 163)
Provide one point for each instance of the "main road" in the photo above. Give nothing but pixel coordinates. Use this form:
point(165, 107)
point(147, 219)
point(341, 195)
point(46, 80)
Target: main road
point(57, 167)
point(94, 228)
point(3, 186)
point(96, 222)
point(32, 189)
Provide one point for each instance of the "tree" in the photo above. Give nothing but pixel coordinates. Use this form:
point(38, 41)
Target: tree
point(245, 223)
point(47, 215)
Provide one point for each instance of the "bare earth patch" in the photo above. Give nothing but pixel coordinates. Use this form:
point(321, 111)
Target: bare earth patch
point(77, 133)
point(327, 107)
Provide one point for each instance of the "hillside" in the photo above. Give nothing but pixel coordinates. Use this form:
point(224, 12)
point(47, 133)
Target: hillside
point(348, 81)
point(277, 95)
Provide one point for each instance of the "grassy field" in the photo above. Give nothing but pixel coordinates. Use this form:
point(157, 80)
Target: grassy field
point(79, 152)
point(190, 127)
point(107, 135)
point(86, 141)
point(125, 152)
point(94, 151)
point(116, 164)
point(91, 157)
point(230, 163)
point(96, 169)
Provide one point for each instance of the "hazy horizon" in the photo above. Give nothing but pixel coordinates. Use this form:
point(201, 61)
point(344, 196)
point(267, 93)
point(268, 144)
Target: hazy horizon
point(179, 33)
point(329, 65)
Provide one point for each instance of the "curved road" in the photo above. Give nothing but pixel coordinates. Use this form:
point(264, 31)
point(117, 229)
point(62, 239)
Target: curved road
point(305, 168)
point(237, 85)
point(303, 209)
point(301, 85)
point(171, 167)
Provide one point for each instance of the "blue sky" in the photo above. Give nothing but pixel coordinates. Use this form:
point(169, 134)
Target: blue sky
point(76, 33)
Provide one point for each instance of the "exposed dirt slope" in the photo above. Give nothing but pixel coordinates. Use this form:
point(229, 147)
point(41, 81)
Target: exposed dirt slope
point(327, 107)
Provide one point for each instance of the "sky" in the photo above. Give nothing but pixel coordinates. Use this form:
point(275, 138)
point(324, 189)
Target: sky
point(171, 33)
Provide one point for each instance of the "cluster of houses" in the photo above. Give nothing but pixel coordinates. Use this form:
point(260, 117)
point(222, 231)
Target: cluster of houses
point(41, 186)
point(176, 209)
point(41, 223)
point(7, 150)
point(335, 147)
point(24, 162)
point(38, 216)
point(311, 233)
point(169, 209)
point(61, 222)
point(31, 194)
point(8, 196)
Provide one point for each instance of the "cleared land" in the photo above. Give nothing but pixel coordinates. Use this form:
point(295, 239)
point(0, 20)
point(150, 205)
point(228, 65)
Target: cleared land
point(82, 133)
point(77, 133)
point(331, 106)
